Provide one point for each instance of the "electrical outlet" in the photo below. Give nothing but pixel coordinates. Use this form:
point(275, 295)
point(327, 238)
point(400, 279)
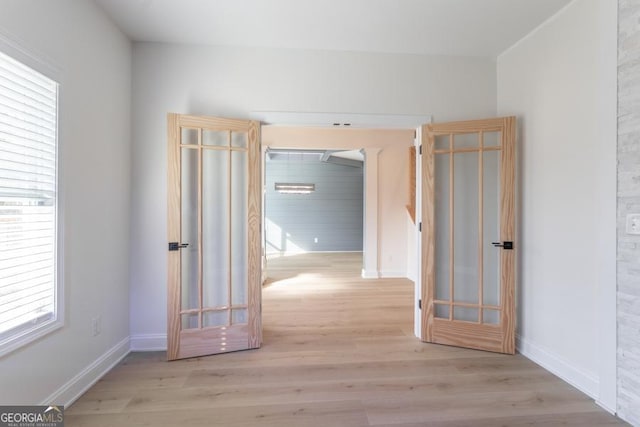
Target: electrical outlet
point(633, 224)
point(96, 325)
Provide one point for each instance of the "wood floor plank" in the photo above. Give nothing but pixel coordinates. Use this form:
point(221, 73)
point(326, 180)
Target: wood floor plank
point(338, 350)
point(323, 414)
point(477, 406)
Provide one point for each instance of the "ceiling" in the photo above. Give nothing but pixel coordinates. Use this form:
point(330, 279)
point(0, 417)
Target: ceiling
point(345, 158)
point(449, 27)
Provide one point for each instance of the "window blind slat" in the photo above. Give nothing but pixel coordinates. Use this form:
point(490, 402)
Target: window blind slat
point(28, 306)
point(10, 249)
point(20, 101)
point(30, 154)
point(30, 296)
point(14, 104)
point(17, 140)
point(22, 190)
point(20, 250)
point(25, 276)
point(13, 161)
point(36, 92)
point(25, 214)
point(31, 287)
point(28, 256)
point(14, 125)
point(24, 72)
point(20, 120)
point(9, 273)
point(26, 175)
point(26, 232)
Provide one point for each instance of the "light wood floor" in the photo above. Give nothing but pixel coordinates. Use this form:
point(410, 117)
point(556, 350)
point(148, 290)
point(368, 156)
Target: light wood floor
point(338, 351)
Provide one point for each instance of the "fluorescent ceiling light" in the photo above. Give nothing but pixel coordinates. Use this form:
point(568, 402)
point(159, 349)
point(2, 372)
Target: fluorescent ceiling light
point(294, 188)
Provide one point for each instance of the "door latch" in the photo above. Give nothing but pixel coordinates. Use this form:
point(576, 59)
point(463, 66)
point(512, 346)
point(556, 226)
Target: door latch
point(504, 245)
point(174, 246)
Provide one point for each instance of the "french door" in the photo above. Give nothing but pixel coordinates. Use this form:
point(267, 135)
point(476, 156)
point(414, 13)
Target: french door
point(214, 214)
point(468, 258)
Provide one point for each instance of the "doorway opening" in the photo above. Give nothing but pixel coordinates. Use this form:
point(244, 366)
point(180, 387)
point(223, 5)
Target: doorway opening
point(313, 201)
point(317, 244)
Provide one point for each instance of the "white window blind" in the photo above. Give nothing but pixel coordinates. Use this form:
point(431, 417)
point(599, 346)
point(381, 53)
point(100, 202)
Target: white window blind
point(28, 184)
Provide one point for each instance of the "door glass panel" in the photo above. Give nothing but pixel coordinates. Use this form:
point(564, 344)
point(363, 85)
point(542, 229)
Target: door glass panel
point(239, 139)
point(215, 318)
point(218, 138)
point(466, 140)
point(239, 233)
point(442, 190)
point(215, 226)
point(468, 314)
point(189, 228)
point(465, 224)
point(441, 311)
point(239, 315)
point(491, 227)
point(189, 321)
point(490, 316)
point(189, 136)
point(492, 139)
point(441, 142)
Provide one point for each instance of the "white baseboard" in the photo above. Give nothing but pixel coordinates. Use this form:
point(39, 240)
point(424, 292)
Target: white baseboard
point(370, 274)
point(149, 342)
point(76, 386)
point(583, 381)
point(608, 408)
point(392, 274)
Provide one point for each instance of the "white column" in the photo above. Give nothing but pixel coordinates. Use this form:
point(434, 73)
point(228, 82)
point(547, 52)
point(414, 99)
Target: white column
point(370, 244)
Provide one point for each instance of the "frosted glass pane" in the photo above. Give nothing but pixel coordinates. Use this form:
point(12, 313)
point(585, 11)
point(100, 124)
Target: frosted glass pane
point(466, 140)
point(465, 227)
point(189, 228)
point(215, 228)
point(468, 314)
point(491, 227)
point(215, 137)
point(492, 139)
point(441, 311)
point(441, 142)
point(442, 190)
point(239, 233)
point(239, 139)
point(239, 315)
point(490, 316)
point(215, 318)
point(189, 136)
point(189, 321)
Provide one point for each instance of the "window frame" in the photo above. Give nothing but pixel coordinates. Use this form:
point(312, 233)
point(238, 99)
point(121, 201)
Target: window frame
point(24, 335)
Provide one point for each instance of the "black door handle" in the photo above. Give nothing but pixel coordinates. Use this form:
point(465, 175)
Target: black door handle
point(504, 245)
point(174, 246)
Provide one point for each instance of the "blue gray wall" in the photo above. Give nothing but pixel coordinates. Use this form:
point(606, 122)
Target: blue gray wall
point(329, 219)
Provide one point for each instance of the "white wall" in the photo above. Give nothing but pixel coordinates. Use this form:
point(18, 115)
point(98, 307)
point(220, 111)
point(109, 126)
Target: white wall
point(94, 63)
point(235, 81)
point(561, 83)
